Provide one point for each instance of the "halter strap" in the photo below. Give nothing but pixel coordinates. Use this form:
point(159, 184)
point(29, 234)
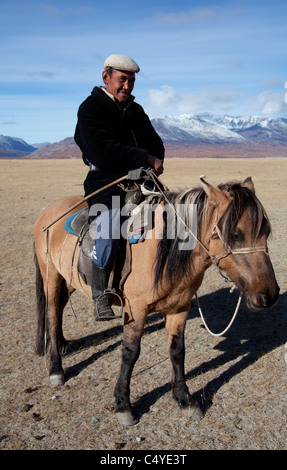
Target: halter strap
point(229, 251)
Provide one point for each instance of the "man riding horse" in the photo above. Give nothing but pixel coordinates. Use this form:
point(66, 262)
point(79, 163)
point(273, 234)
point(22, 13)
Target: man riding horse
point(115, 136)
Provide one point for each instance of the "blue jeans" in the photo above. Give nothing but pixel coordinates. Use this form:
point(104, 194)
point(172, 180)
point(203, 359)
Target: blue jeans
point(105, 229)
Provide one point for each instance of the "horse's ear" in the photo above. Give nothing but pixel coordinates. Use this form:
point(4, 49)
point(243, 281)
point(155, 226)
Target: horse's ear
point(215, 195)
point(248, 183)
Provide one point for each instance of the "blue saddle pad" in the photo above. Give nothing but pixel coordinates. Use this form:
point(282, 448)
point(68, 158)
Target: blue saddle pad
point(135, 236)
point(68, 222)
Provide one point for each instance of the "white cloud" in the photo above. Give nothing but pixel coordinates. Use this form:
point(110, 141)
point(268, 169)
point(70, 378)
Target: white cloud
point(185, 17)
point(164, 97)
point(270, 103)
point(59, 11)
point(38, 76)
point(274, 82)
point(196, 16)
point(167, 100)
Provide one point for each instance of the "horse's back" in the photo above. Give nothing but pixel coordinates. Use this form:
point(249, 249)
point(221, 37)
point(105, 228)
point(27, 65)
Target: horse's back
point(52, 215)
point(56, 209)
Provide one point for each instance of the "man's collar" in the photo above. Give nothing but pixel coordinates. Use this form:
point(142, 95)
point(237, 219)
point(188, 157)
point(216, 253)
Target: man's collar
point(121, 106)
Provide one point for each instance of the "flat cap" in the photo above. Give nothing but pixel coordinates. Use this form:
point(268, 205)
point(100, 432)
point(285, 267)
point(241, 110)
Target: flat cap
point(121, 62)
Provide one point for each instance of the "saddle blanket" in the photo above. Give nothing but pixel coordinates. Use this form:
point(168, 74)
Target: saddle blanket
point(137, 224)
point(69, 220)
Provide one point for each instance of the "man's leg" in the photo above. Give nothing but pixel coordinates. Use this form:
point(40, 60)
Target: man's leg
point(105, 247)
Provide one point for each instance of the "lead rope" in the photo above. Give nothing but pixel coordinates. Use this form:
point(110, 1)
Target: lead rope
point(230, 323)
point(154, 177)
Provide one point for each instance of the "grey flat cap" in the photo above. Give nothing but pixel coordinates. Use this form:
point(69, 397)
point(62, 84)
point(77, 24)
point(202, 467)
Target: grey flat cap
point(121, 62)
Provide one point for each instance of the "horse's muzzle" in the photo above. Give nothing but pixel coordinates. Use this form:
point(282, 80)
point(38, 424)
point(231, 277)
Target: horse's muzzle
point(263, 300)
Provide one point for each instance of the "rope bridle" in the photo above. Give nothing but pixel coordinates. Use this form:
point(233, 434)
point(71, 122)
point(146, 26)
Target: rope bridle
point(230, 251)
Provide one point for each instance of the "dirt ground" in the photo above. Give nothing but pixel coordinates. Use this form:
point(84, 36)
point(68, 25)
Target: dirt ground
point(241, 377)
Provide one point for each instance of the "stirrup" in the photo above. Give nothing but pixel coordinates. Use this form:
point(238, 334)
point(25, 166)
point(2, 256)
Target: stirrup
point(107, 317)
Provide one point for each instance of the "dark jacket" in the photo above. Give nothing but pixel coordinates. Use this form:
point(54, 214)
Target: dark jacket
point(115, 140)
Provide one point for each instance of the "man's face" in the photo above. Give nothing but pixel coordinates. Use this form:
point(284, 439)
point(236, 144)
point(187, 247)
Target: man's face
point(120, 84)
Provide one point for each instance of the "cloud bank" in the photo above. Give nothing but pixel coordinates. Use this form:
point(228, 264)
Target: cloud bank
point(166, 100)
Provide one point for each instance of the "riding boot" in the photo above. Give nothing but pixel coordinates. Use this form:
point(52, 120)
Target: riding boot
point(102, 301)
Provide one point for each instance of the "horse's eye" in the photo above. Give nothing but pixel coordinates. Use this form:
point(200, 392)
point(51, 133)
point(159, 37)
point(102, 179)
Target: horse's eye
point(238, 236)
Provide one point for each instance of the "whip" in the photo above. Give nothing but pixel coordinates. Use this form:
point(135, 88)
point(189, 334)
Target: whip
point(83, 200)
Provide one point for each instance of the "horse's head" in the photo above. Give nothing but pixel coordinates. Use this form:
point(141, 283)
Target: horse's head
point(238, 241)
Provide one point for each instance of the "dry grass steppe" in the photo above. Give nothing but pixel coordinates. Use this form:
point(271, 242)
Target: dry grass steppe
point(242, 375)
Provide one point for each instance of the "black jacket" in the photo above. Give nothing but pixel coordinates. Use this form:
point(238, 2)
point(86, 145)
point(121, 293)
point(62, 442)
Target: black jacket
point(115, 140)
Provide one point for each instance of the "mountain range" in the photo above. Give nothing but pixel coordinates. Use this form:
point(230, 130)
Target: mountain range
point(202, 135)
point(14, 147)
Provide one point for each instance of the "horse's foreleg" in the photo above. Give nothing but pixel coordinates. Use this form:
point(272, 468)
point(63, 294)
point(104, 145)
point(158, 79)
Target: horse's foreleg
point(130, 353)
point(175, 326)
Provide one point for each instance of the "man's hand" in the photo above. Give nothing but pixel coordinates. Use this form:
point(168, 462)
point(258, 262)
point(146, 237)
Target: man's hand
point(156, 163)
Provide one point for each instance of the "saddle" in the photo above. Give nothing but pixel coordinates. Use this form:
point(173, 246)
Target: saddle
point(78, 225)
point(138, 222)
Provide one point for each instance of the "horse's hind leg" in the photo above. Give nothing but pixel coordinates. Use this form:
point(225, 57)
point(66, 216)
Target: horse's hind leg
point(175, 326)
point(57, 299)
point(63, 299)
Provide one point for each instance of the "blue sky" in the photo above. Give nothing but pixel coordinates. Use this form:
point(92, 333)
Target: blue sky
point(195, 56)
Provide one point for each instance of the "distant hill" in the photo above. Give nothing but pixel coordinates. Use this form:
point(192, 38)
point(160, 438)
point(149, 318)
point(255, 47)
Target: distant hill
point(64, 149)
point(14, 147)
point(188, 136)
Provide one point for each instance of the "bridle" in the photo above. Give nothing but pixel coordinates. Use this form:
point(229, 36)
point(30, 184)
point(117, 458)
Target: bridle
point(215, 231)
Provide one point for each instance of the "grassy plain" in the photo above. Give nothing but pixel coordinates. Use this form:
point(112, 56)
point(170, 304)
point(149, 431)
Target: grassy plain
point(242, 375)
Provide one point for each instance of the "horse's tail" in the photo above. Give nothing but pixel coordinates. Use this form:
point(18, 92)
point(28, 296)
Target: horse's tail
point(41, 310)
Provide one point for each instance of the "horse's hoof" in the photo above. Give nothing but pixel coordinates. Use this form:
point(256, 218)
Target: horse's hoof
point(126, 418)
point(57, 379)
point(194, 412)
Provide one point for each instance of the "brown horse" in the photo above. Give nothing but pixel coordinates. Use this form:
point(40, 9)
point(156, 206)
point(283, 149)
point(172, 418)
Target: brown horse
point(232, 232)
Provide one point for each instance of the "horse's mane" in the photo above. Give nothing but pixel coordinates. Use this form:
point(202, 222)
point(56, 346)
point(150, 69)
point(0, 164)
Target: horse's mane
point(177, 262)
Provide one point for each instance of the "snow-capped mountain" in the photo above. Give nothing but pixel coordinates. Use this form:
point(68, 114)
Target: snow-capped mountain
point(208, 128)
point(187, 136)
point(193, 129)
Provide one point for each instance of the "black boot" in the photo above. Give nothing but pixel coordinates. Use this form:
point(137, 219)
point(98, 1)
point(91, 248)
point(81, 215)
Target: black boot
point(102, 300)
